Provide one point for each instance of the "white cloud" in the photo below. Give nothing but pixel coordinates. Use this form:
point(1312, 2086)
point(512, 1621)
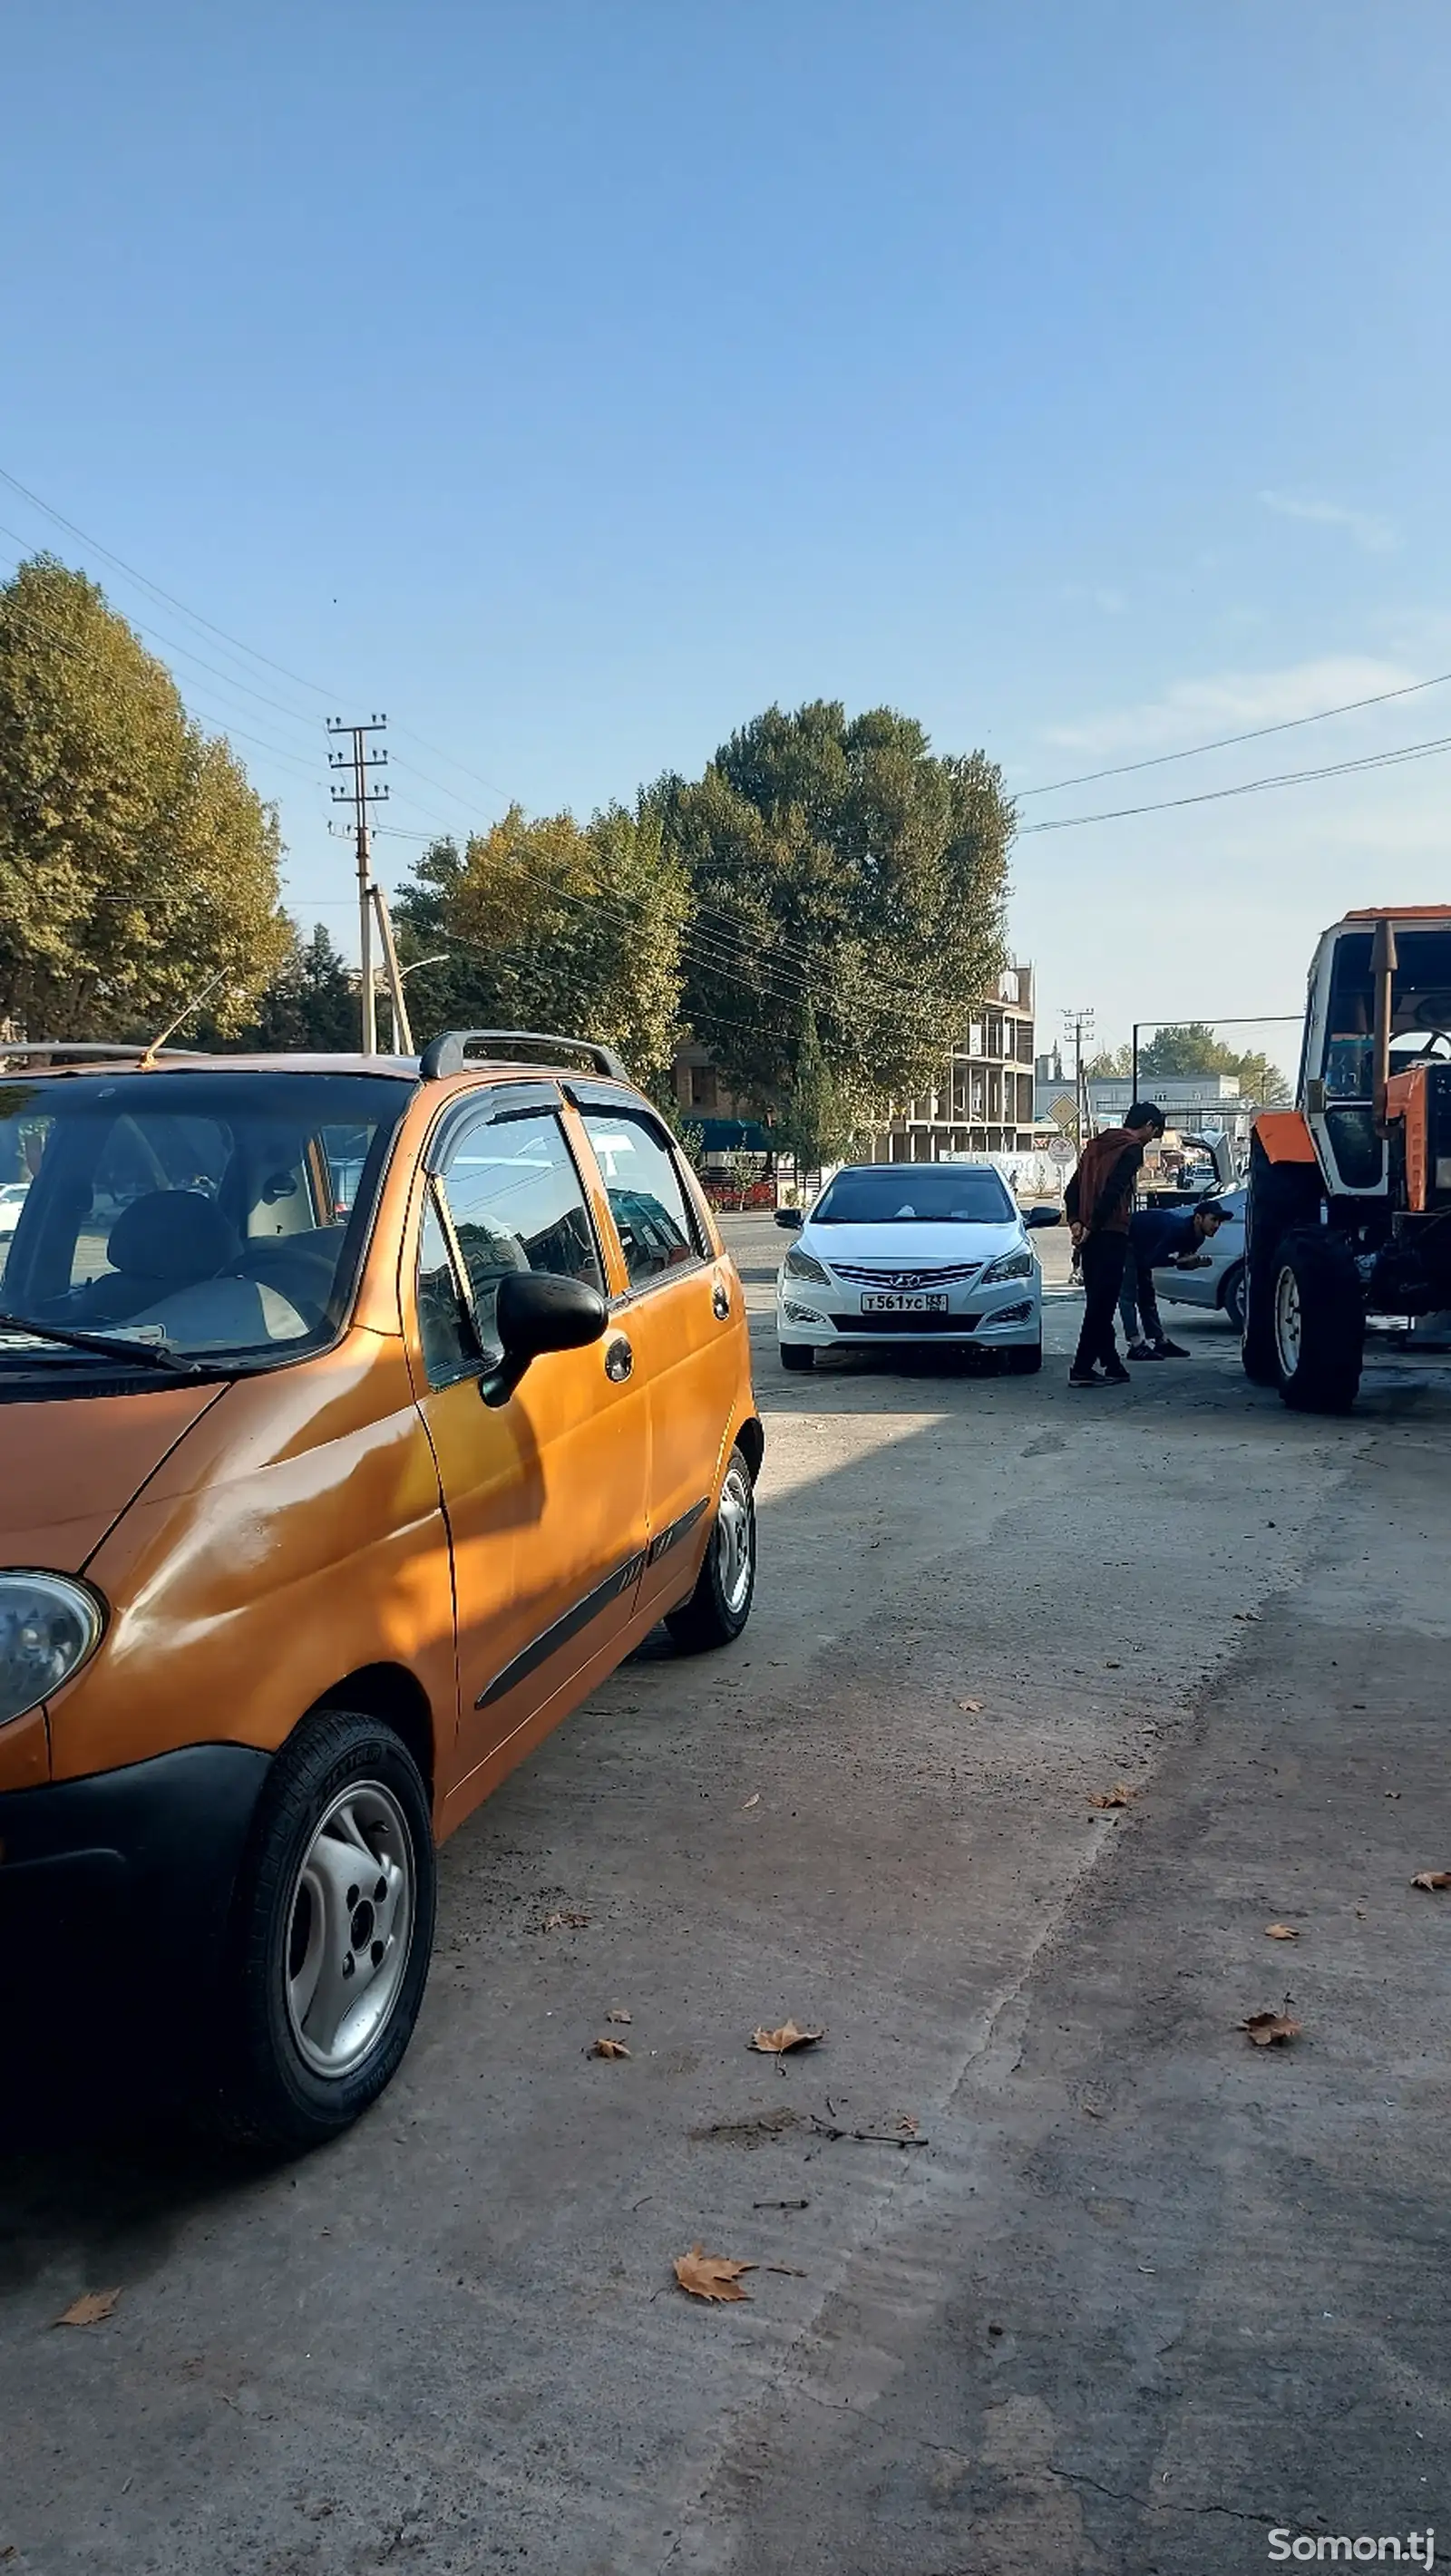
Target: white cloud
point(1231, 702)
point(1372, 533)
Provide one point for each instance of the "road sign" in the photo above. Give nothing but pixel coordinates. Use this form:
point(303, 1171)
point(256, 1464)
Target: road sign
point(1060, 1151)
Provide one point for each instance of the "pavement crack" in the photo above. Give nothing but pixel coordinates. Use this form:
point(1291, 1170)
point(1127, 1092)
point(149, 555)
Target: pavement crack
point(1152, 2504)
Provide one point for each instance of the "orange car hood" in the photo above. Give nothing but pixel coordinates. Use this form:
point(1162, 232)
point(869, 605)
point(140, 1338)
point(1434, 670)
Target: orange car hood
point(69, 1468)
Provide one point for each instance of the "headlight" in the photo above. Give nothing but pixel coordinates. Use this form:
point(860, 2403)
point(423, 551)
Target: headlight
point(48, 1626)
point(800, 1265)
point(1013, 1265)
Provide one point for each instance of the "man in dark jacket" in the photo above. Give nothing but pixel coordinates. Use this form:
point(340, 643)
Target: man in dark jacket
point(1099, 1202)
point(1161, 1239)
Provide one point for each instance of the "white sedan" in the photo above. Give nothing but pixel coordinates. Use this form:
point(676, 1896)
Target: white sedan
point(1221, 1281)
point(912, 1253)
point(12, 1200)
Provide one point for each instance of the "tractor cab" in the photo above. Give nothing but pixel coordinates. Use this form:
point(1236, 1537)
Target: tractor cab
point(1349, 1210)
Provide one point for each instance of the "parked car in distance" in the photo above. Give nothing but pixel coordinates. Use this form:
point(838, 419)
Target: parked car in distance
point(12, 1200)
point(1221, 1282)
point(895, 1253)
point(315, 1519)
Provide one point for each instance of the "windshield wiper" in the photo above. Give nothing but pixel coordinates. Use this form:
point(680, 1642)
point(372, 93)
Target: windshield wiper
point(110, 1345)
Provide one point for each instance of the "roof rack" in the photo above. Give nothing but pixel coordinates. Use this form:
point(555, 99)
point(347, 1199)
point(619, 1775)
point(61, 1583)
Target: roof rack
point(455, 1048)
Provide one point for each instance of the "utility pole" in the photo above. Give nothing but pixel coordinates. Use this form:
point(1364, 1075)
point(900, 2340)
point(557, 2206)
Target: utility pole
point(1077, 1023)
point(360, 796)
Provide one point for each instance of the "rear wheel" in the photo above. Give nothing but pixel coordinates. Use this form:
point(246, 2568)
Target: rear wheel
point(796, 1355)
point(720, 1605)
point(333, 1932)
point(1319, 1323)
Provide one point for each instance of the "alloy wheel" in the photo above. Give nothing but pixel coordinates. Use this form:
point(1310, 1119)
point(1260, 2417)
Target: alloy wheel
point(734, 1539)
point(349, 1927)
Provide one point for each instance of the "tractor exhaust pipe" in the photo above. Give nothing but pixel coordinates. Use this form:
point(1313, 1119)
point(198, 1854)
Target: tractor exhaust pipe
point(1383, 964)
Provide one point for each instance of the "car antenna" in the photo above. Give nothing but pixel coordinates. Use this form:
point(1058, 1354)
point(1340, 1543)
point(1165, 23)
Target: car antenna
point(147, 1061)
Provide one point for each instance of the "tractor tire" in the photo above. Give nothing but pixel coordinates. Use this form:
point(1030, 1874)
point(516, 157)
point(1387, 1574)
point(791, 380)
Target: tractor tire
point(1319, 1322)
point(1282, 1197)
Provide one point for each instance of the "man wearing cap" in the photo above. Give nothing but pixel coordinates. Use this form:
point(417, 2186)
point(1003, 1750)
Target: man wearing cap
point(1099, 1202)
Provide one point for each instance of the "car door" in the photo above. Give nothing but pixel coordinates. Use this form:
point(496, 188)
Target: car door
point(545, 1494)
point(681, 1317)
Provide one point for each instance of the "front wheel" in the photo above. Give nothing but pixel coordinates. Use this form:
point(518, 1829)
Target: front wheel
point(796, 1355)
point(720, 1605)
point(333, 1933)
point(1319, 1323)
point(1232, 1297)
point(1025, 1361)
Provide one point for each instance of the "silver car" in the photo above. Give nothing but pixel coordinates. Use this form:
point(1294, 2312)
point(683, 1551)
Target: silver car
point(1221, 1282)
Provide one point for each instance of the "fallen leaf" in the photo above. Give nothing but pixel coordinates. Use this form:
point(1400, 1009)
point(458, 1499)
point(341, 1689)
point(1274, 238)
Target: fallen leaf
point(1432, 1878)
point(1120, 1795)
point(710, 2276)
point(973, 1706)
point(564, 1923)
point(1281, 1932)
point(1265, 2028)
point(89, 2309)
point(908, 2126)
point(609, 2048)
point(619, 2014)
point(1248, 1615)
point(754, 1800)
point(775, 2043)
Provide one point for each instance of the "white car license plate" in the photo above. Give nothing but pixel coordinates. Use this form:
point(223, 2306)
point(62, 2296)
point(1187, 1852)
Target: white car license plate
point(904, 1305)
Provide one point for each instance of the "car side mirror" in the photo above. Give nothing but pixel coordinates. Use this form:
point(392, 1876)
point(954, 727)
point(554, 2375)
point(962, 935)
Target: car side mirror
point(1043, 1216)
point(534, 1313)
point(791, 1218)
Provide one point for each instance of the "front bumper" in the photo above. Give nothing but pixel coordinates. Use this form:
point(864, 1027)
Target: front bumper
point(117, 1889)
point(996, 1319)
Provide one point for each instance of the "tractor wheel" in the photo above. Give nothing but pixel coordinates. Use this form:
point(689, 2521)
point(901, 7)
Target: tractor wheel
point(1281, 1197)
point(1319, 1322)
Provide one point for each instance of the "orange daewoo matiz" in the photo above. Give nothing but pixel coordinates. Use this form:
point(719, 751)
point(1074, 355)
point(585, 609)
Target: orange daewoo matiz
point(359, 1415)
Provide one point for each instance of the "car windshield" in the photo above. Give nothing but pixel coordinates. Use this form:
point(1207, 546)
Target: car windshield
point(195, 1212)
point(915, 1194)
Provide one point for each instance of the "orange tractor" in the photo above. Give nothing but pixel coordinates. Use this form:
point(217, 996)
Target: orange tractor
point(1349, 1208)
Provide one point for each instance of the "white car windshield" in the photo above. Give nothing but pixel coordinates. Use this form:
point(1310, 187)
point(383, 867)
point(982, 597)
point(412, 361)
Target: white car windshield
point(916, 1194)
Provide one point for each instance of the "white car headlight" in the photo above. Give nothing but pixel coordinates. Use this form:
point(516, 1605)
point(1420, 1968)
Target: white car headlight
point(1013, 1265)
point(803, 1265)
point(48, 1627)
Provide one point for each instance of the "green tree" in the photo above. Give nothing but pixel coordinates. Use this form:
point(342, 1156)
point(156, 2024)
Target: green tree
point(311, 1002)
point(1111, 1064)
point(135, 859)
point(849, 891)
point(813, 1124)
point(1190, 1046)
point(554, 924)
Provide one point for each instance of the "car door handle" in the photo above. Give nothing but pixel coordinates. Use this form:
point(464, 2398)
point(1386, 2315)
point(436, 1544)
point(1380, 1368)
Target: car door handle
point(720, 1298)
point(619, 1359)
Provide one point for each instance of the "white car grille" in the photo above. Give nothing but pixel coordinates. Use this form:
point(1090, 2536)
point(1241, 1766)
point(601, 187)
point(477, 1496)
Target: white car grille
point(908, 1275)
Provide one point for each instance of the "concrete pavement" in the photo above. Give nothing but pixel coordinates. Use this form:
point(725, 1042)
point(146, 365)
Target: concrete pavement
point(1145, 2292)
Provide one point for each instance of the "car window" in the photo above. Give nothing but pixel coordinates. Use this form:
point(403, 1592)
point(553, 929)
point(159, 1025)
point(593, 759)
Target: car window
point(192, 1209)
point(915, 1194)
point(450, 1349)
point(514, 1200)
point(647, 1199)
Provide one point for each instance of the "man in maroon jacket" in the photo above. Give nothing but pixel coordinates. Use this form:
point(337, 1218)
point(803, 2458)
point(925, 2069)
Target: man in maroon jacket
point(1098, 1202)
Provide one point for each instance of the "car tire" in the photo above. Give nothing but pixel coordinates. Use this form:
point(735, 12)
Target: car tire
point(1319, 1322)
point(1026, 1361)
point(300, 2053)
point(796, 1355)
point(1232, 1297)
point(720, 1605)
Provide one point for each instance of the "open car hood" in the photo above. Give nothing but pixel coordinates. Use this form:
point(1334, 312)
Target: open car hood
point(68, 1470)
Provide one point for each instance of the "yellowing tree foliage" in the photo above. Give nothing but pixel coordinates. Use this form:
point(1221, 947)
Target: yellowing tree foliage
point(135, 859)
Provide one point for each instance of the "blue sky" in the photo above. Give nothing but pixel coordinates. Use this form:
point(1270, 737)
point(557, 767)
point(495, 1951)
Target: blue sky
point(572, 381)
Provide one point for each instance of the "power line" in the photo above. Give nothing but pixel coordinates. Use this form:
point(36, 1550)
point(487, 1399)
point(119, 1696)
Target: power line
point(1253, 786)
point(1257, 733)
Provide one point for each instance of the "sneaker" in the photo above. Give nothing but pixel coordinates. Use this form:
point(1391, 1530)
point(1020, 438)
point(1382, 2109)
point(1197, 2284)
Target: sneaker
point(1116, 1374)
point(1169, 1351)
point(1143, 1351)
point(1090, 1378)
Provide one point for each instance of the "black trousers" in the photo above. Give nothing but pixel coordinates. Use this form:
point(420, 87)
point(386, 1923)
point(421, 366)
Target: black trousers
point(1102, 1259)
point(1138, 1305)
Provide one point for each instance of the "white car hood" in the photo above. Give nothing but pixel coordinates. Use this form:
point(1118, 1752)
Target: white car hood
point(906, 1246)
